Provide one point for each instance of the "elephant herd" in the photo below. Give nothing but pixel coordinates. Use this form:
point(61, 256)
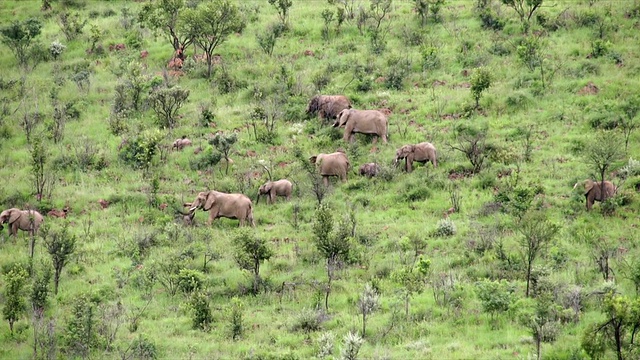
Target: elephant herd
point(240, 207)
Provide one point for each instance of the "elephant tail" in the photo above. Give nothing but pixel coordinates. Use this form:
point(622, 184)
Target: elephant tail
point(250, 216)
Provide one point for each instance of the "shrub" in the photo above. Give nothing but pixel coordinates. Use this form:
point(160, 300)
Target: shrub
point(415, 193)
point(201, 317)
point(140, 150)
point(430, 58)
point(307, 321)
point(143, 348)
point(56, 49)
point(446, 227)
point(190, 280)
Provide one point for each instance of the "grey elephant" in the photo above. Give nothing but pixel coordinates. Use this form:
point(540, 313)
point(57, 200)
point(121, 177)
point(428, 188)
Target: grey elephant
point(219, 204)
point(181, 143)
point(334, 164)
point(422, 153)
point(282, 187)
point(593, 191)
point(355, 121)
point(369, 169)
point(328, 106)
point(25, 220)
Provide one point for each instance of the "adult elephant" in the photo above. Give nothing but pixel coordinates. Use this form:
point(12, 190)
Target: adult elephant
point(334, 164)
point(282, 187)
point(422, 152)
point(355, 121)
point(597, 191)
point(25, 220)
point(328, 106)
point(219, 204)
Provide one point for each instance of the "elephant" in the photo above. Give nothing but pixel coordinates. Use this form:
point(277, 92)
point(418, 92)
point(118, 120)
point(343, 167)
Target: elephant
point(369, 169)
point(282, 187)
point(421, 153)
point(219, 204)
point(334, 164)
point(328, 106)
point(181, 143)
point(593, 191)
point(25, 220)
point(364, 122)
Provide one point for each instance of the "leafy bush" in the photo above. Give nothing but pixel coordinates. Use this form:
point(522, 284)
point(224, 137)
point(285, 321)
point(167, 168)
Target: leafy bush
point(415, 193)
point(308, 320)
point(201, 317)
point(445, 227)
point(190, 280)
point(140, 150)
point(430, 58)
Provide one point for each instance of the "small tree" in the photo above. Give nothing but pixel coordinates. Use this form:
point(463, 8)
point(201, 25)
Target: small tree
point(333, 245)
point(496, 296)
point(351, 346)
point(14, 301)
point(20, 38)
point(166, 102)
point(379, 25)
point(413, 280)
point(60, 245)
point(480, 81)
point(472, 143)
point(250, 252)
point(282, 7)
point(619, 328)
point(267, 39)
point(317, 187)
point(423, 7)
point(628, 123)
point(223, 144)
point(525, 10)
point(368, 303)
point(163, 16)
point(43, 179)
point(601, 153)
point(71, 25)
point(537, 233)
point(80, 334)
point(210, 24)
point(236, 318)
point(201, 316)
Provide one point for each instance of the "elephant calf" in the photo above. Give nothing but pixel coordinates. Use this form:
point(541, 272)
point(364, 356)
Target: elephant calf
point(25, 220)
point(181, 143)
point(597, 191)
point(421, 153)
point(281, 187)
point(369, 169)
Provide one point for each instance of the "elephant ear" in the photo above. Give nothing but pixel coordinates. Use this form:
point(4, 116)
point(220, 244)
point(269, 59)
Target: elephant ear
point(211, 198)
point(268, 186)
point(313, 159)
point(15, 215)
point(588, 185)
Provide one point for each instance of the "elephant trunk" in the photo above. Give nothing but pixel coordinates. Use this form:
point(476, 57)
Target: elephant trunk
point(258, 198)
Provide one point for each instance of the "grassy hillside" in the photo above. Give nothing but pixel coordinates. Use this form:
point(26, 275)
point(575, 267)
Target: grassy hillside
point(551, 98)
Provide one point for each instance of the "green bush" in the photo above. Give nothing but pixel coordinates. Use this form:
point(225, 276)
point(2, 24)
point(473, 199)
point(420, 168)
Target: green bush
point(445, 227)
point(190, 280)
point(308, 320)
point(201, 317)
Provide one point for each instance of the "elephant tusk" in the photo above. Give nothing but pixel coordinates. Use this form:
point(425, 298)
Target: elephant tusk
point(192, 209)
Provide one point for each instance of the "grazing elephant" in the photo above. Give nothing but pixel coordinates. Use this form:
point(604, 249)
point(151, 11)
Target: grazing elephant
point(594, 192)
point(232, 206)
point(181, 143)
point(334, 164)
point(25, 220)
point(364, 122)
point(281, 187)
point(421, 153)
point(369, 169)
point(328, 106)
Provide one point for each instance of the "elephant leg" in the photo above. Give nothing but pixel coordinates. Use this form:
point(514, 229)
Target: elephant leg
point(589, 203)
point(212, 217)
point(14, 229)
point(325, 180)
point(375, 139)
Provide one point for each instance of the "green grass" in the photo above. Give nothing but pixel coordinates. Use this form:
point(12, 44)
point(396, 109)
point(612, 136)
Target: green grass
point(429, 107)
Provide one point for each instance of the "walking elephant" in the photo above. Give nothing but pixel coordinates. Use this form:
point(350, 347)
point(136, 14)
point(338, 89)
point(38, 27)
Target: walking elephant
point(281, 187)
point(219, 204)
point(421, 153)
point(369, 169)
point(371, 122)
point(594, 191)
point(328, 106)
point(25, 220)
point(334, 164)
point(181, 143)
